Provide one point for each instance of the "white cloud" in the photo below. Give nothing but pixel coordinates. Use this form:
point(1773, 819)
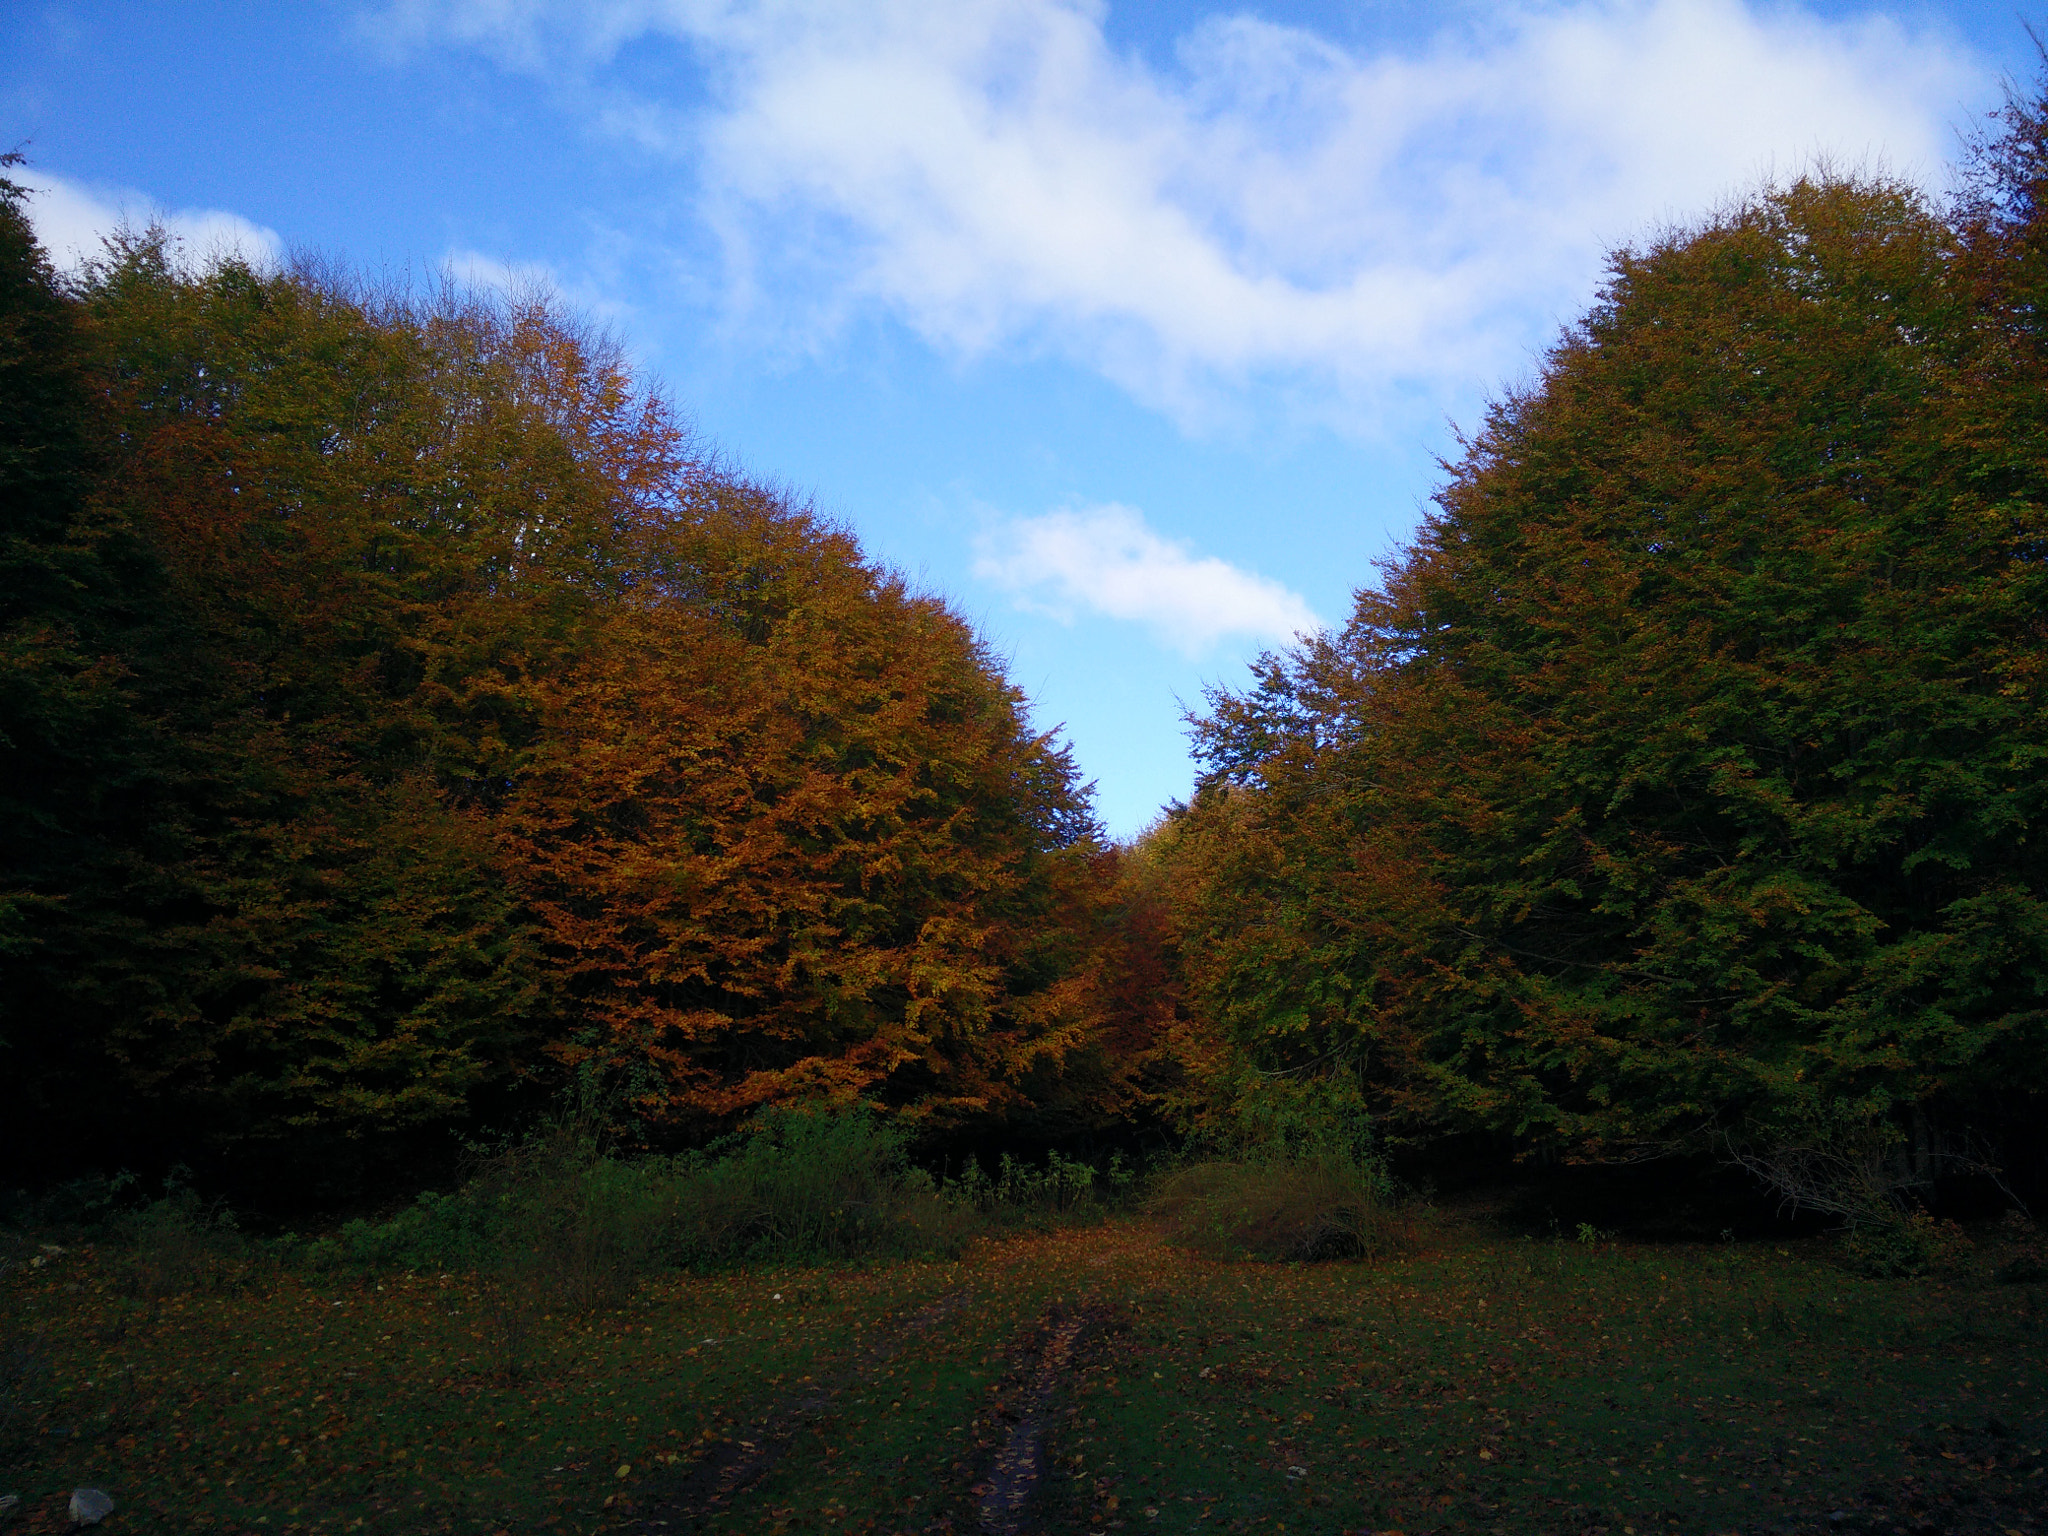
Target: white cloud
point(1373, 228)
point(522, 281)
point(1107, 560)
point(71, 219)
point(477, 269)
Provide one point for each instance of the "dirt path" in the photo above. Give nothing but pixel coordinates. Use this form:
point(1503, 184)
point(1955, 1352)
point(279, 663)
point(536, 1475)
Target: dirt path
point(1043, 1355)
point(730, 1465)
point(1012, 1479)
point(1043, 1364)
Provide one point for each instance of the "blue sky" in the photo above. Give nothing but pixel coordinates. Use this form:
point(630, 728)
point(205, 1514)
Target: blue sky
point(1136, 329)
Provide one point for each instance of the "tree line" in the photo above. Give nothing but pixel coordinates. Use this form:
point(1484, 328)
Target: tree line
point(405, 719)
point(1681, 787)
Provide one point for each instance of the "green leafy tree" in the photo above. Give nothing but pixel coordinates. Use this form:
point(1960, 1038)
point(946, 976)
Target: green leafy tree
point(1685, 777)
point(297, 930)
point(76, 764)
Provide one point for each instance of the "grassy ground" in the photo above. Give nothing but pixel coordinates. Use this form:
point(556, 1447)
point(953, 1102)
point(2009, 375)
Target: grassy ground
point(1485, 1384)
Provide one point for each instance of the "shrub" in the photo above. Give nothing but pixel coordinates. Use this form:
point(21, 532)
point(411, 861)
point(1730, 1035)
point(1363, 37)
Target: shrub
point(559, 1214)
point(1020, 1191)
point(1313, 1207)
point(177, 1243)
point(807, 1185)
point(437, 1231)
point(580, 1226)
point(153, 1247)
point(553, 1214)
point(1909, 1243)
point(2027, 1256)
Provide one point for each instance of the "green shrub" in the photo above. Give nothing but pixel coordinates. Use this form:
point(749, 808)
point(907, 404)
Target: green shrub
point(455, 1231)
point(553, 1214)
point(171, 1244)
point(1019, 1191)
point(579, 1226)
point(176, 1243)
point(1311, 1207)
point(559, 1215)
point(1120, 1181)
point(2026, 1258)
point(1909, 1243)
point(798, 1185)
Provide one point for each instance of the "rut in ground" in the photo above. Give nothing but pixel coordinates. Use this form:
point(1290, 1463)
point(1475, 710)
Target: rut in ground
point(732, 1464)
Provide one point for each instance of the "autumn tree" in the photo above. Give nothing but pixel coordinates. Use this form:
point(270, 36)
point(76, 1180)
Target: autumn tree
point(789, 835)
point(407, 714)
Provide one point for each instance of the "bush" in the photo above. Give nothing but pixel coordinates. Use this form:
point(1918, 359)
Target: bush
point(176, 1243)
point(1312, 1207)
point(1910, 1243)
point(2027, 1251)
point(799, 1185)
point(554, 1215)
point(152, 1247)
point(577, 1224)
point(560, 1214)
point(1020, 1192)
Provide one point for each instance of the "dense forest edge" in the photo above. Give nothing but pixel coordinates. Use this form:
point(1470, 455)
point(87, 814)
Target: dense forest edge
point(420, 757)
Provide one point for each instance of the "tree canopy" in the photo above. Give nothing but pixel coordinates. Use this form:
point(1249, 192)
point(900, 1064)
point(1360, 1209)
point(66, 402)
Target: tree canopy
point(401, 717)
point(401, 713)
point(1685, 776)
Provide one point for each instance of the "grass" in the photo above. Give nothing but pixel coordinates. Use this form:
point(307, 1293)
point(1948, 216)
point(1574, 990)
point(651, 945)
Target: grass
point(1551, 1386)
point(1481, 1384)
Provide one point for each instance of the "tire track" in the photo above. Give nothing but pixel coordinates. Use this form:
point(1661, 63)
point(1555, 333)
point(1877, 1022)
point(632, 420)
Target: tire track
point(1009, 1486)
point(731, 1465)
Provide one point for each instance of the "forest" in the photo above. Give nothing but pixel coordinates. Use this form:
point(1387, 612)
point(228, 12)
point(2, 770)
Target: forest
point(432, 782)
point(407, 726)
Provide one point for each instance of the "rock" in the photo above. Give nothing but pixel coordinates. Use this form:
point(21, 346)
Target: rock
point(89, 1506)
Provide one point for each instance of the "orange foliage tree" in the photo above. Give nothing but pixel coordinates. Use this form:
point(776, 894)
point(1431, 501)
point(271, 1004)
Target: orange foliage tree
point(787, 834)
point(461, 724)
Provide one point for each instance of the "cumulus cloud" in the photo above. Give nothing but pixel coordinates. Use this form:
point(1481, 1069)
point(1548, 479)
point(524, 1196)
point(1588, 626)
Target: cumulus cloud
point(1369, 226)
point(71, 219)
point(1108, 560)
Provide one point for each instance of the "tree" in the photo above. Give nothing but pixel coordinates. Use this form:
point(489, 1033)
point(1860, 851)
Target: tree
point(405, 714)
point(1683, 779)
point(290, 928)
point(789, 836)
point(75, 588)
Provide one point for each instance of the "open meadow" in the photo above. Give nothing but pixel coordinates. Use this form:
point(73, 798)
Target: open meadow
point(1085, 1378)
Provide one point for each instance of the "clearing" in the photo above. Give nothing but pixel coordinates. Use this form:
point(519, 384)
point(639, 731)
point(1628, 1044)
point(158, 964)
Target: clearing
point(1079, 1380)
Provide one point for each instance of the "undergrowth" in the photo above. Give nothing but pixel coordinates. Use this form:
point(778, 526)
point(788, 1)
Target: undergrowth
point(559, 1215)
point(1291, 1172)
point(1313, 1207)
